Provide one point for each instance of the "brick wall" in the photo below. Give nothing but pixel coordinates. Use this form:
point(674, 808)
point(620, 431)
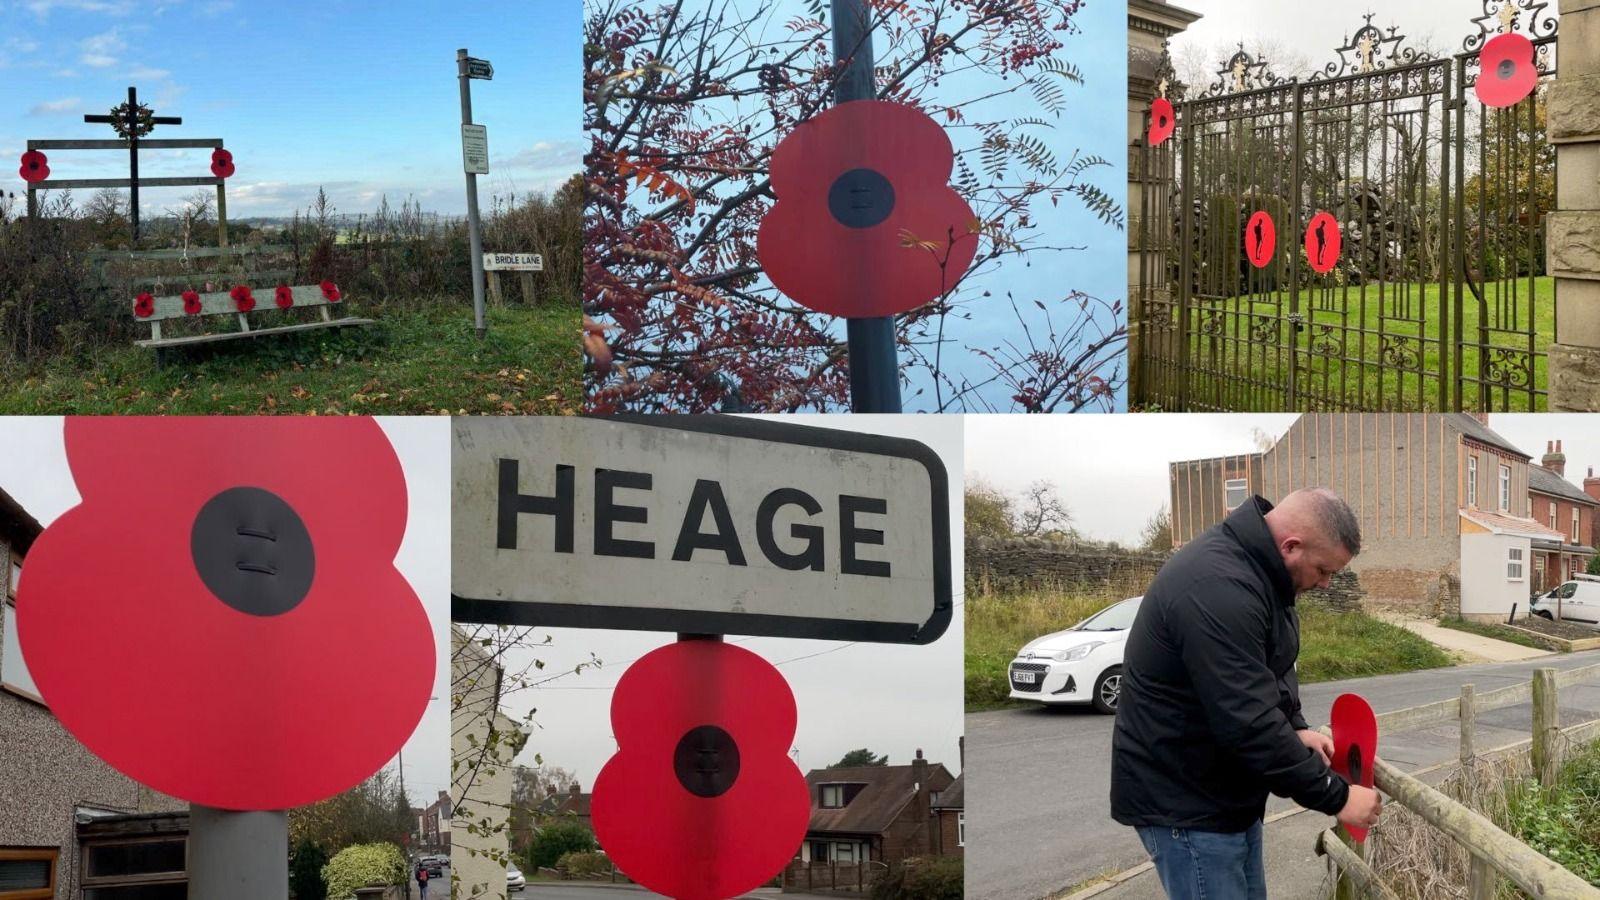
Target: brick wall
point(949, 834)
point(1417, 591)
point(1024, 564)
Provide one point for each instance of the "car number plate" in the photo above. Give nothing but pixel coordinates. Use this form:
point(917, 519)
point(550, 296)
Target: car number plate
point(1022, 677)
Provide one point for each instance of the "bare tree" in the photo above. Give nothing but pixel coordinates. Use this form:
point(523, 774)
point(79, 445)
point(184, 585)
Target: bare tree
point(1042, 510)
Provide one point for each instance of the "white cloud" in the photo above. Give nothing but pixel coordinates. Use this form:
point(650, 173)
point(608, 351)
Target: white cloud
point(102, 50)
point(545, 155)
point(43, 8)
point(146, 73)
point(56, 107)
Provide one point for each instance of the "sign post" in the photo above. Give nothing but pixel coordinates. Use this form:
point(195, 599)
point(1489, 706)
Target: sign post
point(874, 362)
point(475, 154)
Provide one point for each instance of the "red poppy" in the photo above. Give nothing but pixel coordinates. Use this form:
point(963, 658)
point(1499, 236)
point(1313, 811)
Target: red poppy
point(1323, 242)
point(1355, 744)
point(242, 298)
point(144, 306)
point(1162, 121)
point(1260, 239)
point(330, 292)
point(216, 589)
point(1506, 73)
point(191, 303)
point(35, 167)
point(284, 296)
point(865, 214)
point(222, 163)
point(701, 800)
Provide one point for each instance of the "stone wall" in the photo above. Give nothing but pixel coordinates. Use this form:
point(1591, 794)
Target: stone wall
point(1573, 242)
point(1024, 564)
point(1343, 593)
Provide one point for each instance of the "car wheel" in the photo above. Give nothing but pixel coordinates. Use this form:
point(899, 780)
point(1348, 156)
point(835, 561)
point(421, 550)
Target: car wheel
point(1107, 689)
point(1544, 615)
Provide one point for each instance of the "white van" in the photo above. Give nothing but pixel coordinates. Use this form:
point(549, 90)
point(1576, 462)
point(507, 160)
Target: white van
point(1576, 601)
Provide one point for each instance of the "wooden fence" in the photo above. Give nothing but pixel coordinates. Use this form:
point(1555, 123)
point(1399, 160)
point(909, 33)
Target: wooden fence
point(1494, 853)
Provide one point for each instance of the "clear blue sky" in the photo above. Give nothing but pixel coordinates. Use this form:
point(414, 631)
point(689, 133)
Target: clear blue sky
point(358, 97)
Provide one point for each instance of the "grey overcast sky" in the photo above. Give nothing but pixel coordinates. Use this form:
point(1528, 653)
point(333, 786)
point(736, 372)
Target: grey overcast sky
point(890, 698)
point(1313, 31)
point(1112, 470)
point(36, 475)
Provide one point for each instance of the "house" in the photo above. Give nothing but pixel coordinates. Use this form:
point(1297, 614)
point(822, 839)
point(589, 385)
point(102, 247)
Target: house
point(1560, 506)
point(67, 819)
point(1442, 499)
point(949, 809)
point(484, 742)
point(572, 806)
point(433, 825)
point(874, 813)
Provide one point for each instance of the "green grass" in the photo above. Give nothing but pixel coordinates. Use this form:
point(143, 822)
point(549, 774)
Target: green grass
point(1333, 645)
point(1498, 632)
point(1231, 371)
point(1563, 822)
point(415, 361)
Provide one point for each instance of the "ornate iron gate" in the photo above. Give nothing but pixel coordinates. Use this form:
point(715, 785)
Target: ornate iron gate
point(1438, 300)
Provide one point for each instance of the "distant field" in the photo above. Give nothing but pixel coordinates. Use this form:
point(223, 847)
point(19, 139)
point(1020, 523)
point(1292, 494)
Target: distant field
point(415, 361)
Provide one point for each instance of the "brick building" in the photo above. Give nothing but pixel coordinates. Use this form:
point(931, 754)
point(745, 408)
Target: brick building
point(1440, 498)
point(875, 813)
point(433, 825)
point(70, 825)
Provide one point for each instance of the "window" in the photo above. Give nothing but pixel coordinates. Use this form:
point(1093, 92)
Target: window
point(27, 873)
point(1235, 493)
point(1514, 564)
point(1505, 488)
point(1575, 526)
point(819, 851)
point(152, 868)
point(1472, 481)
point(961, 828)
point(832, 796)
point(845, 853)
point(1552, 515)
point(16, 578)
point(13, 671)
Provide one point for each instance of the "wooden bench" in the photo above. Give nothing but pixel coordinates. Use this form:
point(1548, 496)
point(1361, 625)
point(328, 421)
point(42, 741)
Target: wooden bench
point(167, 299)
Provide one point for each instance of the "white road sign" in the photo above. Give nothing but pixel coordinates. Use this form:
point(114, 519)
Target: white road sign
point(513, 262)
point(475, 149)
point(700, 524)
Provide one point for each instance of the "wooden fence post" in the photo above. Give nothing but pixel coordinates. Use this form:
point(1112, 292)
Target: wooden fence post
point(1546, 730)
point(1481, 877)
point(1469, 721)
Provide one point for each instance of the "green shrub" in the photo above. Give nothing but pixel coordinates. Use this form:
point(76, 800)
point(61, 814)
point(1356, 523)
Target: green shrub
point(305, 871)
point(581, 864)
point(361, 865)
point(554, 841)
point(938, 878)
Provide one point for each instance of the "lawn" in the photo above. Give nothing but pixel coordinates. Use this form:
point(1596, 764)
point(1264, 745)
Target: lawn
point(1333, 645)
point(415, 361)
point(1497, 632)
point(1372, 348)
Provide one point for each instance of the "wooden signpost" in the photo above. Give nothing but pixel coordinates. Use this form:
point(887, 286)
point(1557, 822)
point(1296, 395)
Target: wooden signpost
point(133, 121)
point(524, 264)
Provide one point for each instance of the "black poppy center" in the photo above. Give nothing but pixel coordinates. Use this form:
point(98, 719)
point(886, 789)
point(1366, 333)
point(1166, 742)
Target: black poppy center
point(1163, 121)
point(706, 761)
point(1506, 69)
point(861, 198)
point(253, 551)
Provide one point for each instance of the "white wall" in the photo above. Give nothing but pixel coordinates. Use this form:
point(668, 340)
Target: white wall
point(1485, 591)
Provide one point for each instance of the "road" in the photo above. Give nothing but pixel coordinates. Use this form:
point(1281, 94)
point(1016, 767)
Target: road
point(1038, 779)
point(568, 890)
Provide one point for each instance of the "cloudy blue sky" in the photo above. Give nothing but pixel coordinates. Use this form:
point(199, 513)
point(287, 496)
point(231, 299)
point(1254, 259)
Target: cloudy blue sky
point(360, 98)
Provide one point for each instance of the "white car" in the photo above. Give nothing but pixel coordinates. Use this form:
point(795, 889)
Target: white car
point(514, 879)
point(1080, 665)
point(1576, 601)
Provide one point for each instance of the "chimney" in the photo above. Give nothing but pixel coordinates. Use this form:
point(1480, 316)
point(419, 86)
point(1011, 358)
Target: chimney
point(576, 789)
point(1591, 484)
point(1554, 459)
point(919, 767)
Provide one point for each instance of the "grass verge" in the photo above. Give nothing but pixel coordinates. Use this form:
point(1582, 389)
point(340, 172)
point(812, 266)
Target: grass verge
point(1333, 645)
point(415, 361)
point(1497, 632)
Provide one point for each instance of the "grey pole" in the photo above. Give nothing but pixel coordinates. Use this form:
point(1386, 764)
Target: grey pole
point(474, 227)
point(238, 855)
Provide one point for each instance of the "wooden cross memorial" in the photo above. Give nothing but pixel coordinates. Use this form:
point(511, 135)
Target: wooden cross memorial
point(133, 121)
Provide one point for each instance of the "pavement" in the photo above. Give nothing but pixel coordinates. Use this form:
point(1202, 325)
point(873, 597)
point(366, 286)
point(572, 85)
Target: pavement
point(1038, 780)
point(1465, 645)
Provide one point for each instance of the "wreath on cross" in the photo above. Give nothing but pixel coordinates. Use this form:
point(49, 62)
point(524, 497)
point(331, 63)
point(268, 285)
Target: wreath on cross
point(132, 122)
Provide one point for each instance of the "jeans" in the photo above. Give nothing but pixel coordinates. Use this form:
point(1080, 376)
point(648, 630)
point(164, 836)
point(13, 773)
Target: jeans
point(1207, 865)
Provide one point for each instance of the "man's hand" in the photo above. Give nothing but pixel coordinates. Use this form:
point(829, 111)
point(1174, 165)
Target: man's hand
point(1361, 808)
point(1319, 742)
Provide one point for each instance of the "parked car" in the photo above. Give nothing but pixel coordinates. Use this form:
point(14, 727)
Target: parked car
point(514, 878)
point(1576, 601)
point(1082, 664)
point(434, 864)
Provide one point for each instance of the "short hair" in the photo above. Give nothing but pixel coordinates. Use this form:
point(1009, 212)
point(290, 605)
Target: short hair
point(1336, 519)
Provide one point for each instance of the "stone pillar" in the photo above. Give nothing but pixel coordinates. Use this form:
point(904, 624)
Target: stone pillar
point(1151, 23)
point(1572, 108)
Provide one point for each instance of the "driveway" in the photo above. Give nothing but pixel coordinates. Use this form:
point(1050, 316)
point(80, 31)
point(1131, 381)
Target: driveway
point(1038, 810)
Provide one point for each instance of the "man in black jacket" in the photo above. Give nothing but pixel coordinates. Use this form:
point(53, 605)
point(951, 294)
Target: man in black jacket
point(1209, 720)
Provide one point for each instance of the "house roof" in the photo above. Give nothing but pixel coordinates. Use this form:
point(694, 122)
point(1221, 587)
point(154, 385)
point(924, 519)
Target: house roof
point(573, 804)
point(1500, 523)
point(954, 796)
point(17, 528)
point(1546, 481)
point(886, 791)
point(1468, 424)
